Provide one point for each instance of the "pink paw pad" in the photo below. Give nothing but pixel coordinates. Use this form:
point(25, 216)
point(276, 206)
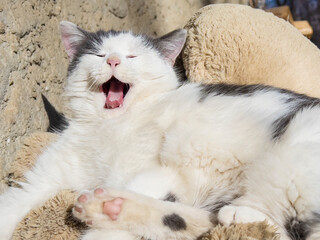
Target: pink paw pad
point(78, 209)
point(112, 208)
point(83, 198)
point(98, 192)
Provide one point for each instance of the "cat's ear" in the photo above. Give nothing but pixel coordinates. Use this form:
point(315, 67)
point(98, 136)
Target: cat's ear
point(72, 36)
point(171, 44)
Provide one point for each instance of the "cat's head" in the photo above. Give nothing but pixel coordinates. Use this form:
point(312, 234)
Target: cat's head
point(110, 71)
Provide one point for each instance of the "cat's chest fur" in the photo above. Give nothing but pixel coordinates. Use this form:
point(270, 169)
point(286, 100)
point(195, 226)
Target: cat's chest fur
point(116, 150)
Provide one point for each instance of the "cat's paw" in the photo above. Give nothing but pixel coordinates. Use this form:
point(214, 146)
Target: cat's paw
point(97, 206)
point(240, 214)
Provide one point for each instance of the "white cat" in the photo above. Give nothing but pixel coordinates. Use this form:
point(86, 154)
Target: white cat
point(173, 159)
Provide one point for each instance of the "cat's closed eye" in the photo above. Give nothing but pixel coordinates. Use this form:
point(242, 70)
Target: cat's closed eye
point(131, 56)
point(101, 55)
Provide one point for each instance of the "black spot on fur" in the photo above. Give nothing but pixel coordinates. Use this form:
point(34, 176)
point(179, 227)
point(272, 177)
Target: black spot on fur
point(299, 102)
point(214, 211)
point(230, 90)
point(297, 230)
point(57, 121)
point(301, 230)
point(170, 197)
point(174, 222)
point(215, 207)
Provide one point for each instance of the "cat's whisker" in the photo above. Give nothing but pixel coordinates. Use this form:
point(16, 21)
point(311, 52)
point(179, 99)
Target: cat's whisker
point(157, 77)
point(93, 84)
point(81, 81)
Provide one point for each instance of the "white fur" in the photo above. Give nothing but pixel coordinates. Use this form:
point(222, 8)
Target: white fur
point(164, 139)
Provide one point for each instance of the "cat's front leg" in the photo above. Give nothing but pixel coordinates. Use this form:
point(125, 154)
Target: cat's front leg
point(143, 216)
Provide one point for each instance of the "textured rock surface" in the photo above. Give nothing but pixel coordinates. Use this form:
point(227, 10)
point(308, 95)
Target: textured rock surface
point(33, 61)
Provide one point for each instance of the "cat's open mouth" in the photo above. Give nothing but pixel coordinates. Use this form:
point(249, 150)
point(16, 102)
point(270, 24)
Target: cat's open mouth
point(115, 92)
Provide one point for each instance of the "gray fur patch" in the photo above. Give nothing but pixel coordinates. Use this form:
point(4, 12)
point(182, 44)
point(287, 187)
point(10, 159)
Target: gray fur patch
point(170, 197)
point(215, 207)
point(230, 90)
point(296, 101)
point(299, 102)
point(301, 230)
point(297, 230)
point(174, 222)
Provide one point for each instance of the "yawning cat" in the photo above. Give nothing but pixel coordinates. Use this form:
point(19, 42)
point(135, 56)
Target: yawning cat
point(172, 159)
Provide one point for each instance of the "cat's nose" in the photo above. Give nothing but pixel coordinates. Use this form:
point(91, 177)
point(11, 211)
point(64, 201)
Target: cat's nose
point(113, 61)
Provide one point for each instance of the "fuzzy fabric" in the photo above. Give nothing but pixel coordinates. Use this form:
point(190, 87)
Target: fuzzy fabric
point(239, 44)
point(54, 220)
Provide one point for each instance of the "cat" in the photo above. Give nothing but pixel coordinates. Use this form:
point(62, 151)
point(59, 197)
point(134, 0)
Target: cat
point(170, 159)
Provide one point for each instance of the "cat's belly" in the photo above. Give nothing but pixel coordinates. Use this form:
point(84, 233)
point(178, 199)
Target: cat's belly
point(196, 147)
point(113, 161)
point(118, 176)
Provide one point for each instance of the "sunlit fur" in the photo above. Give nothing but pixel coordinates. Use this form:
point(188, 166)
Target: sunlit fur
point(214, 150)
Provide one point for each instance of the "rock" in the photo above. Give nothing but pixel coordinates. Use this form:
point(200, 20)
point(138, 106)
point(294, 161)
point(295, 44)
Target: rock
point(2, 28)
point(118, 8)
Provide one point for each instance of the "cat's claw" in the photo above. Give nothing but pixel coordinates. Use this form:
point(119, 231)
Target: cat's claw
point(91, 206)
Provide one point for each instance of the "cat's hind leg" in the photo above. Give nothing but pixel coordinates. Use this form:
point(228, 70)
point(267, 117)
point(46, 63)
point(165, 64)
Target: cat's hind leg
point(143, 216)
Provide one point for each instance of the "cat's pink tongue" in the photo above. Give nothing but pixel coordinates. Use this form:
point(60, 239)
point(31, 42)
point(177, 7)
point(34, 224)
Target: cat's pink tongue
point(115, 95)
